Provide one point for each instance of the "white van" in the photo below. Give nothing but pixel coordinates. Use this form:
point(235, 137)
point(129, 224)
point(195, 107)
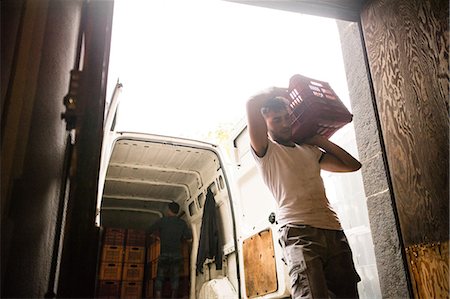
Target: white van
point(141, 173)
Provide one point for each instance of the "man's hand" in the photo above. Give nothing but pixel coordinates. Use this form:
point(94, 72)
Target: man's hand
point(272, 92)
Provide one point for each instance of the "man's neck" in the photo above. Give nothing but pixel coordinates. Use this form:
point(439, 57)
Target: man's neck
point(288, 143)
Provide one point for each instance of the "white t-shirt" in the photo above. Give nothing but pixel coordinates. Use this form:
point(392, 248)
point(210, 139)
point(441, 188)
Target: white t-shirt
point(292, 174)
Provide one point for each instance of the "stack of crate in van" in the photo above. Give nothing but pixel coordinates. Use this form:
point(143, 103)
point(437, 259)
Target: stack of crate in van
point(111, 260)
point(122, 264)
point(133, 267)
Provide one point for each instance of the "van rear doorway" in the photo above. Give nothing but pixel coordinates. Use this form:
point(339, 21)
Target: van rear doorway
point(140, 174)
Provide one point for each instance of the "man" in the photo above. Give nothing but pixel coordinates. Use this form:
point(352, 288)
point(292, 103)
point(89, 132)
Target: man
point(315, 248)
point(172, 231)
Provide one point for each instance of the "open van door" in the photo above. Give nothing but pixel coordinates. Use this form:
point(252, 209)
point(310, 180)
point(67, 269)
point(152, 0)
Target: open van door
point(264, 274)
point(140, 173)
point(84, 118)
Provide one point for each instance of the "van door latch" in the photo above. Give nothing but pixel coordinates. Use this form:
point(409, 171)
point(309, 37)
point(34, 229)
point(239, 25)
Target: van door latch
point(71, 100)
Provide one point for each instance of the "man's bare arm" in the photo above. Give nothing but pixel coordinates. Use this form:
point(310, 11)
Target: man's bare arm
point(256, 124)
point(335, 158)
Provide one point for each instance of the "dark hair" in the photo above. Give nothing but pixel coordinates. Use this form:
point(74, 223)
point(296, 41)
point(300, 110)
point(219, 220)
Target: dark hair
point(275, 104)
point(174, 207)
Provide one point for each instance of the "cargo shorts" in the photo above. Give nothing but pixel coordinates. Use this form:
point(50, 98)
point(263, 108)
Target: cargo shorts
point(319, 261)
point(168, 266)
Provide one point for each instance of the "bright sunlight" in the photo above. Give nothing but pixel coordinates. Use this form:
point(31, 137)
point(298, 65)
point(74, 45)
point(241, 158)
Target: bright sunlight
point(188, 67)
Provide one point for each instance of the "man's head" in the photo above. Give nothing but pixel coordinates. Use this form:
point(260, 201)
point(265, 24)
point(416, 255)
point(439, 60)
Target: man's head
point(174, 208)
point(276, 113)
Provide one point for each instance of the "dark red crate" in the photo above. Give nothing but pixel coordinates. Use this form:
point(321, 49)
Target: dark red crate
point(131, 290)
point(114, 236)
point(135, 237)
point(108, 289)
point(316, 109)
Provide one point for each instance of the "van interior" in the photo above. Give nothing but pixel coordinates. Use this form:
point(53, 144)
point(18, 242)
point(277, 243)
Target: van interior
point(143, 173)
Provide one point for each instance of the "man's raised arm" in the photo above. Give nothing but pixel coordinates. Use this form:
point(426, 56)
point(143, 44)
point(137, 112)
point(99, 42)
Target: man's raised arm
point(256, 124)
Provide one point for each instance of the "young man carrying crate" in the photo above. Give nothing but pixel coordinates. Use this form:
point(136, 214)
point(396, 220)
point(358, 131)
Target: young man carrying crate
point(314, 245)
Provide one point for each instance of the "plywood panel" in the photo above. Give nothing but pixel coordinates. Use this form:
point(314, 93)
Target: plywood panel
point(407, 46)
point(259, 264)
point(429, 265)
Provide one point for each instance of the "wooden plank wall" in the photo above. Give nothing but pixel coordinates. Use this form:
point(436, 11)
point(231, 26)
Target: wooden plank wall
point(407, 47)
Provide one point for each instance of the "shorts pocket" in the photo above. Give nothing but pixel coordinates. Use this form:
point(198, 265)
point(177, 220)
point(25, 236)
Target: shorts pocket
point(295, 259)
point(295, 279)
point(300, 287)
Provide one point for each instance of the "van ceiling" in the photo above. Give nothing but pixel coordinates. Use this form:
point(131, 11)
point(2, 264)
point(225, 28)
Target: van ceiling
point(143, 176)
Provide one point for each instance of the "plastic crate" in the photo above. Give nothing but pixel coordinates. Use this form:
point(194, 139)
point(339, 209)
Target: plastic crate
point(114, 236)
point(131, 290)
point(135, 237)
point(110, 271)
point(134, 255)
point(108, 289)
point(316, 109)
point(133, 272)
point(112, 253)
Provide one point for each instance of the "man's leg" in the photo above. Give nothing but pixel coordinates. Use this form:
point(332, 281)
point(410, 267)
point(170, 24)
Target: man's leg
point(175, 276)
point(302, 248)
point(160, 275)
point(342, 278)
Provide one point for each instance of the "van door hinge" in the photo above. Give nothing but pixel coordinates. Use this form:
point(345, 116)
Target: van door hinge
point(71, 100)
